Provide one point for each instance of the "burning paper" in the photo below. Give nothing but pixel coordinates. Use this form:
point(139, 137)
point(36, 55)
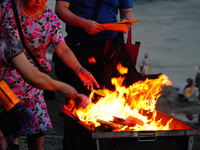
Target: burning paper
point(134, 105)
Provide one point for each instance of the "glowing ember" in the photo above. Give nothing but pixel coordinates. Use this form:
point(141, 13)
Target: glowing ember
point(91, 60)
point(133, 104)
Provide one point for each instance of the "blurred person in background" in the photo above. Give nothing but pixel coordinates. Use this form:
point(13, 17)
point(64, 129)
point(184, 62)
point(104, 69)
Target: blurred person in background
point(189, 91)
point(145, 68)
point(183, 87)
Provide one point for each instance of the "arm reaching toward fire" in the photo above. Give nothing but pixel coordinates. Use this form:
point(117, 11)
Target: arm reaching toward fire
point(69, 59)
point(82, 101)
point(43, 81)
point(87, 78)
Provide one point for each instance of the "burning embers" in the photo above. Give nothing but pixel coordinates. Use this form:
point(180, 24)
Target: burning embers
point(127, 108)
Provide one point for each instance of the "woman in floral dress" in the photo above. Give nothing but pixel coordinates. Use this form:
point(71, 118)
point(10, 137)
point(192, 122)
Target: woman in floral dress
point(12, 56)
point(41, 28)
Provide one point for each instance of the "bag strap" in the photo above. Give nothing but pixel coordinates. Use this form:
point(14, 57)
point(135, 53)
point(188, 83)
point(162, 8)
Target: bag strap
point(96, 10)
point(129, 39)
point(22, 37)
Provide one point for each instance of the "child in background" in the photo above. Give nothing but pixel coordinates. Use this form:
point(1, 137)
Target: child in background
point(189, 91)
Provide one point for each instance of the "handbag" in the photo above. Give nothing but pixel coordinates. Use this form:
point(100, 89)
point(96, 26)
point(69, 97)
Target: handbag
point(132, 49)
point(7, 98)
point(8, 117)
point(115, 52)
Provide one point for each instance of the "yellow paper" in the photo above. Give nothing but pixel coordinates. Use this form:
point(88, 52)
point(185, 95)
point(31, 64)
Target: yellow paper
point(99, 92)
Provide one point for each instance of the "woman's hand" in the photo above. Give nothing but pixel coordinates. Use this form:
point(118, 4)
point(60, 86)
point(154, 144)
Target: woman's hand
point(67, 91)
point(87, 78)
point(91, 27)
point(82, 101)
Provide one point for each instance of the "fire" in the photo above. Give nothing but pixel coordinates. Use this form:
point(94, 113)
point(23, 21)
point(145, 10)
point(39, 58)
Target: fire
point(133, 104)
point(91, 60)
point(122, 69)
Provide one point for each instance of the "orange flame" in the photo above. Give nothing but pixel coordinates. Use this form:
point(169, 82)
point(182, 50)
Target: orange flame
point(91, 60)
point(122, 69)
point(136, 102)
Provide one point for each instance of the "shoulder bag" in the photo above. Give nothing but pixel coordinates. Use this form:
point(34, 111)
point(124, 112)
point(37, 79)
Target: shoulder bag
point(8, 117)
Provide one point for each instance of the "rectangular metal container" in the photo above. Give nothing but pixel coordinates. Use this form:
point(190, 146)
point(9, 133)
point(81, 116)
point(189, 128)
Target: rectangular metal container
point(78, 137)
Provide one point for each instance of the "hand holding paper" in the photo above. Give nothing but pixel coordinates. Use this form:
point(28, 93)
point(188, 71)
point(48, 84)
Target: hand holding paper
point(118, 26)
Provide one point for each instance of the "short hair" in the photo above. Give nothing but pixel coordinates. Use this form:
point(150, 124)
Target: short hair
point(190, 82)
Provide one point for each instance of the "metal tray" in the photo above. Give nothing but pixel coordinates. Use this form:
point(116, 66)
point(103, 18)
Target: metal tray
point(78, 137)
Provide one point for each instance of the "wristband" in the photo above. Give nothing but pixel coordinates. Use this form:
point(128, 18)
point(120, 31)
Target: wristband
point(79, 70)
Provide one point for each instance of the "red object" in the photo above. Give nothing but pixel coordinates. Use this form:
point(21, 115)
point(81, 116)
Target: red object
point(132, 49)
point(91, 60)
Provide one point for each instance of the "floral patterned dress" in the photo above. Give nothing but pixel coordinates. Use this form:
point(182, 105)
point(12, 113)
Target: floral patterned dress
point(9, 48)
point(39, 34)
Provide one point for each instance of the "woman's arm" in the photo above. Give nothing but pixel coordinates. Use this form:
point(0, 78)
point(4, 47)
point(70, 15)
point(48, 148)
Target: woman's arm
point(69, 59)
point(126, 14)
point(41, 80)
point(63, 12)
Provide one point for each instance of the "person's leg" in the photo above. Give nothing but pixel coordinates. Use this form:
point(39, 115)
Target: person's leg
point(35, 142)
point(13, 144)
point(15, 141)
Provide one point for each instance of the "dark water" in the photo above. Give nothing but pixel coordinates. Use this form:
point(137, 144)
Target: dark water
point(169, 32)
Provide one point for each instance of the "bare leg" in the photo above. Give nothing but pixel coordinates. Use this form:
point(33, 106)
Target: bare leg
point(13, 144)
point(15, 141)
point(35, 143)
